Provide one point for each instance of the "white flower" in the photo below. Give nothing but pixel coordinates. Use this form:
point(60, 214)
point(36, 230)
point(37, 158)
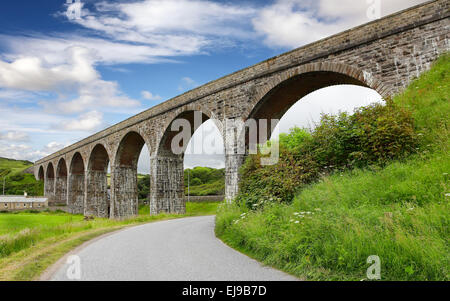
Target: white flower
point(447, 194)
point(412, 208)
point(297, 222)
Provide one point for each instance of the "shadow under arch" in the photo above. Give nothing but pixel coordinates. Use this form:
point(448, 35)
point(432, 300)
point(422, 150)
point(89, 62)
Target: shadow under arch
point(61, 182)
point(76, 185)
point(124, 180)
point(97, 199)
point(50, 182)
point(41, 174)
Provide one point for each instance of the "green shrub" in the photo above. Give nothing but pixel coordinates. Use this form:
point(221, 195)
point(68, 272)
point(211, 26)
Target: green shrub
point(372, 135)
point(195, 182)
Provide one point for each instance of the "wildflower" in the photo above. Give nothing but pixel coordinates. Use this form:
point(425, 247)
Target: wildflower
point(412, 208)
point(447, 194)
point(317, 209)
point(297, 222)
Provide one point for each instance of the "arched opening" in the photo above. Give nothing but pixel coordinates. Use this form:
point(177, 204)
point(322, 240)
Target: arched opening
point(307, 112)
point(125, 178)
point(275, 104)
point(76, 186)
point(168, 191)
point(97, 195)
point(50, 182)
point(61, 182)
point(41, 176)
point(204, 165)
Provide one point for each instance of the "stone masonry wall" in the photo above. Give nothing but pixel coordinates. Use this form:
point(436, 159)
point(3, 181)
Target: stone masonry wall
point(75, 197)
point(96, 198)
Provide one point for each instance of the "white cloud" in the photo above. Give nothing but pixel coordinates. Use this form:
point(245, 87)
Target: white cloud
point(28, 73)
point(168, 23)
point(14, 136)
point(293, 23)
point(149, 96)
point(26, 152)
point(86, 122)
point(186, 84)
point(53, 49)
point(75, 77)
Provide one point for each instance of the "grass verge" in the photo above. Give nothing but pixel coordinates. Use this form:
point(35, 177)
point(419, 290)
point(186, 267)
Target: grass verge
point(26, 252)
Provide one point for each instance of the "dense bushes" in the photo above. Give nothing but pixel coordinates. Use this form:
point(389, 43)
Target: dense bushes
point(372, 135)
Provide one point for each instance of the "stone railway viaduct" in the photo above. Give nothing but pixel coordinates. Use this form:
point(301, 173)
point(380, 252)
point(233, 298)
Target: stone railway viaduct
point(385, 55)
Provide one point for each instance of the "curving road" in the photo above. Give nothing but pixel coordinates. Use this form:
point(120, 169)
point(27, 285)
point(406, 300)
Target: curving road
point(180, 249)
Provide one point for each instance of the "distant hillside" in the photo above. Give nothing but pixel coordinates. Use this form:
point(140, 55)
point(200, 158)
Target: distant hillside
point(12, 166)
point(18, 177)
point(203, 181)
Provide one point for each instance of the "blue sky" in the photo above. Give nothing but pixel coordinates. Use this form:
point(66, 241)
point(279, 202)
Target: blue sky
point(64, 77)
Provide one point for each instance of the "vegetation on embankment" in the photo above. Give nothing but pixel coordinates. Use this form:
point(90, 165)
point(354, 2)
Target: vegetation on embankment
point(203, 181)
point(371, 187)
point(30, 241)
point(16, 180)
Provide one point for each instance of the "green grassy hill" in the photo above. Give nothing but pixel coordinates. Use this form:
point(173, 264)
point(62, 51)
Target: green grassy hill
point(16, 180)
point(204, 181)
point(397, 210)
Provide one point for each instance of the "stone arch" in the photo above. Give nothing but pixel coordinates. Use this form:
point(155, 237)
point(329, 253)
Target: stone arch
point(124, 179)
point(76, 184)
point(274, 99)
point(49, 190)
point(61, 182)
point(97, 199)
point(326, 74)
point(167, 164)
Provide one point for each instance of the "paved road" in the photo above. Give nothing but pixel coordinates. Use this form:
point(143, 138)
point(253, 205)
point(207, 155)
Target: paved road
point(181, 249)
